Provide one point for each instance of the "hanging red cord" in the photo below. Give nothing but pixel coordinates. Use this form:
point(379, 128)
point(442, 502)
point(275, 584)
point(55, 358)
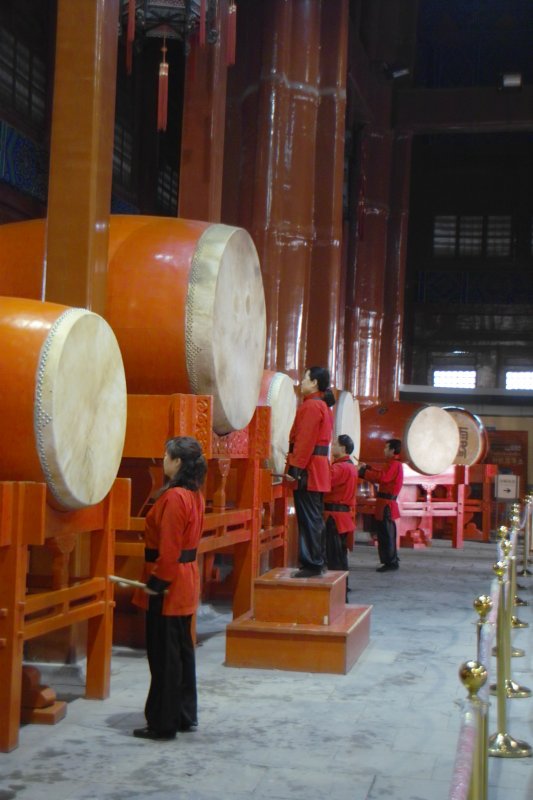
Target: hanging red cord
point(232, 34)
point(162, 94)
point(201, 29)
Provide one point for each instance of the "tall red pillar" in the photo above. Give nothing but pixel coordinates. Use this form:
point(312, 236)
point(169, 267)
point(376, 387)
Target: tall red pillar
point(366, 306)
point(325, 278)
point(202, 144)
point(391, 354)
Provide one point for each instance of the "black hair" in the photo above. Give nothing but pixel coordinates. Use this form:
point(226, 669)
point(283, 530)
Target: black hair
point(321, 376)
point(193, 466)
point(395, 445)
point(347, 442)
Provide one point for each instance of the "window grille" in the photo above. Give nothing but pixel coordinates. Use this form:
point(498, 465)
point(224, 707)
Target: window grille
point(455, 378)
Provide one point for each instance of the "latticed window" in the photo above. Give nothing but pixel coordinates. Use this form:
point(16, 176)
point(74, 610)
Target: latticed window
point(167, 189)
point(470, 236)
point(455, 378)
point(22, 79)
point(123, 155)
point(498, 236)
point(519, 379)
point(444, 236)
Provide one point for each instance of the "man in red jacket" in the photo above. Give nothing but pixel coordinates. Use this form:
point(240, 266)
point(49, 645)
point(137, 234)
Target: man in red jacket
point(390, 480)
point(339, 504)
point(308, 465)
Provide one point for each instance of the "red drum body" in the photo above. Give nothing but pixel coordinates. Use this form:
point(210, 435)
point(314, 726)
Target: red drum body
point(63, 400)
point(347, 420)
point(429, 435)
point(473, 437)
point(277, 391)
point(185, 300)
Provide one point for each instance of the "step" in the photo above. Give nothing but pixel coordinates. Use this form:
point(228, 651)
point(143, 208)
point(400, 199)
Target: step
point(280, 598)
point(307, 647)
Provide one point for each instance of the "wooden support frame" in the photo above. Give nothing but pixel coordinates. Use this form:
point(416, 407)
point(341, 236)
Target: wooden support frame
point(26, 519)
point(420, 508)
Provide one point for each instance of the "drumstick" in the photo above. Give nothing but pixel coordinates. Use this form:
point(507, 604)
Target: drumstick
point(126, 582)
point(284, 476)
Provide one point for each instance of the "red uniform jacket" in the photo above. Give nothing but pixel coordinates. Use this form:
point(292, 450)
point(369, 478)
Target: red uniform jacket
point(390, 479)
point(343, 488)
point(312, 426)
point(174, 523)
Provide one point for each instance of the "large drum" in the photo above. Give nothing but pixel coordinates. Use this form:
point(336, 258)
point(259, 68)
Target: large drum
point(185, 300)
point(473, 437)
point(277, 391)
point(430, 438)
point(347, 419)
point(63, 400)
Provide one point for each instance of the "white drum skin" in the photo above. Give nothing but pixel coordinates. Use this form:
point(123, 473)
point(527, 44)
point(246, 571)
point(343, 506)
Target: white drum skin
point(277, 391)
point(63, 400)
point(430, 437)
point(347, 419)
point(186, 302)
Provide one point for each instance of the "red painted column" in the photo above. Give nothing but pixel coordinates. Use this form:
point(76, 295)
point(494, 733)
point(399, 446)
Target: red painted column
point(81, 153)
point(391, 354)
point(367, 312)
point(325, 282)
point(202, 145)
point(279, 184)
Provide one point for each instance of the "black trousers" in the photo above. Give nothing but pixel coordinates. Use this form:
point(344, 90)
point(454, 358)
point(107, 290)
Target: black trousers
point(386, 530)
point(336, 547)
point(171, 702)
point(309, 507)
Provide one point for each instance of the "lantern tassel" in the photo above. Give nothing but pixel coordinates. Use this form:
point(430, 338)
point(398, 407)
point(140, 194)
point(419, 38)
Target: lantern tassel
point(232, 34)
point(201, 30)
point(162, 95)
point(130, 36)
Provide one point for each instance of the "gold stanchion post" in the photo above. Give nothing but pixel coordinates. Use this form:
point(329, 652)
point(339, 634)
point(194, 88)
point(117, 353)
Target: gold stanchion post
point(473, 676)
point(512, 689)
point(525, 572)
point(502, 744)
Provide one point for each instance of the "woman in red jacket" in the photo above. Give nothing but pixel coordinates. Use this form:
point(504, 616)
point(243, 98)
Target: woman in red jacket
point(173, 529)
point(308, 464)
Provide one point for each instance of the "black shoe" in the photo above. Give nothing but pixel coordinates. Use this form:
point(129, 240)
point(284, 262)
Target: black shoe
point(387, 568)
point(188, 727)
point(306, 573)
point(148, 733)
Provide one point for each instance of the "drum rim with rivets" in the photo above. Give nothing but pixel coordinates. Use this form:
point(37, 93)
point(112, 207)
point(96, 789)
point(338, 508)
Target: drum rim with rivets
point(473, 437)
point(65, 400)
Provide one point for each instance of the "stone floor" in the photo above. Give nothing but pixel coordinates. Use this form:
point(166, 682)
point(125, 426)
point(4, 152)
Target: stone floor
point(388, 729)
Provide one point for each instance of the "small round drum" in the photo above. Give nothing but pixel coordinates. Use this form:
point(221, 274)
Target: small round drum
point(185, 300)
point(430, 438)
point(277, 391)
point(473, 437)
point(63, 400)
point(347, 419)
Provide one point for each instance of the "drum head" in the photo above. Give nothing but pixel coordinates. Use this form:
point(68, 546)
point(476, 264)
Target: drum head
point(80, 408)
point(226, 325)
point(348, 420)
point(431, 440)
point(281, 398)
point(472, 437)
